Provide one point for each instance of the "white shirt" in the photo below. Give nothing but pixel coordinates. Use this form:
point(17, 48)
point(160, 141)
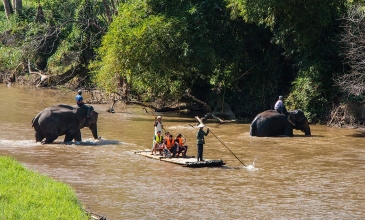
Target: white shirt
point(279, 104)
point(158, 127)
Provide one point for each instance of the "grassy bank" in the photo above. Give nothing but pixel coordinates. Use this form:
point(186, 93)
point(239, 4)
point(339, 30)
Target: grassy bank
point(25, 194)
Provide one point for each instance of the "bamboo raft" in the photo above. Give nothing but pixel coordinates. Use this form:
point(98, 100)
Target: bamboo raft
point(188, 161)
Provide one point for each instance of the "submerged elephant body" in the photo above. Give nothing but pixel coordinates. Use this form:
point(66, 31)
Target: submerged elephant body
point(271, 123)
point(66, 120)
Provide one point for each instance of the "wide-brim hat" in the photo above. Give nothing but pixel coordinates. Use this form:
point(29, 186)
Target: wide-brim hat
point(201, 126)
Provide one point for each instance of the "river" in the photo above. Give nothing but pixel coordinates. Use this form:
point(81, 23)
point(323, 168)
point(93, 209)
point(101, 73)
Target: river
point(317, 177)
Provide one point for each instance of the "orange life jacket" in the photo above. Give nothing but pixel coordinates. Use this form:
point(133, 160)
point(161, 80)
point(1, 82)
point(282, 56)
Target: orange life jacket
point(169, 143)
point(180, 141)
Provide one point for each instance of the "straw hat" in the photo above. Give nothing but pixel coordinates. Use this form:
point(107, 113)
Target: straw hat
point(201, 126)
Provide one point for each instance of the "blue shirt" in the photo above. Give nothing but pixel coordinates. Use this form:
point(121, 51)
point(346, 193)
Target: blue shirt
point(79, 100)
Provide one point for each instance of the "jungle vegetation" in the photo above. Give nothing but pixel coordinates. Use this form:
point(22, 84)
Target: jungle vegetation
point(236, 52)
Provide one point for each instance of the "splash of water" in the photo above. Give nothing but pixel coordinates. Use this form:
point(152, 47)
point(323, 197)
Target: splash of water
point(101, 141)
point(18, 143)
point(251, 167)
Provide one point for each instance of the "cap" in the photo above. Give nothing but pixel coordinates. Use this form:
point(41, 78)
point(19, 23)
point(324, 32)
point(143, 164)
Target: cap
point(280, 97)
point(80, 91)
point(201, 126)
point(159, 117)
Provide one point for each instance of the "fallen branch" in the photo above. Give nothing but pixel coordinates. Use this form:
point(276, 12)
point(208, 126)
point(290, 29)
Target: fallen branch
point(211, 115)
point(187, 93)
point(43, 76)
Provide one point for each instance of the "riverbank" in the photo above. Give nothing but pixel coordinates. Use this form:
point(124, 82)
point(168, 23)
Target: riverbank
point(25, 194)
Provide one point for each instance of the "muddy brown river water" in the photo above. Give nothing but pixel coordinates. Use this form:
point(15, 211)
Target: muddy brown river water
point(317, 177)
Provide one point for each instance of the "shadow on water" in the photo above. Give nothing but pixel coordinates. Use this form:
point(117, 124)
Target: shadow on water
point(89, 143)
point(306, 136)
point(361, 134)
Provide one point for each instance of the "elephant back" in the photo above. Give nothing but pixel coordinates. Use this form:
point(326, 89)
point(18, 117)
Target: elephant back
point(65, 106)
point(268, 123)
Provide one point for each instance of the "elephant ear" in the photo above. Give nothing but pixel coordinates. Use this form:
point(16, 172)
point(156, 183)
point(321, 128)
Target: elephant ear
point(290, 120)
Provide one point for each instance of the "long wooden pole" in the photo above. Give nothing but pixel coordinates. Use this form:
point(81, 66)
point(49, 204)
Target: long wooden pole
point(224, 145)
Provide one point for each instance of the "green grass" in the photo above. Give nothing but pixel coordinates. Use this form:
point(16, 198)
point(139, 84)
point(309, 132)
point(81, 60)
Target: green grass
point(25, 194)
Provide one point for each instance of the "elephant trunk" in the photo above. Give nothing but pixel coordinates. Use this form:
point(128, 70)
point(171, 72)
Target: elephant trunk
point(94, 131)
point(306, 128)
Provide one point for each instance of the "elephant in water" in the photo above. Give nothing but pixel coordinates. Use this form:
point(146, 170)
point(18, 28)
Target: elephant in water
point(66, 120)
point(272, 123)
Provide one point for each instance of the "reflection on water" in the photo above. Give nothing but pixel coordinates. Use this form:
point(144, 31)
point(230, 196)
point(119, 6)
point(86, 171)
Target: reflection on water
point(317, 177)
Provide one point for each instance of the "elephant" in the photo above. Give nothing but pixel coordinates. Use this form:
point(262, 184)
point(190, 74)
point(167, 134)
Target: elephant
point(66, 120)
point(272, 123)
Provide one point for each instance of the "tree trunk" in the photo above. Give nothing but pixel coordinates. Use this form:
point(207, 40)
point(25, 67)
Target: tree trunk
point(107, 11)
point(40, 15)
point(115, 11)
point(8, 9)
point(18, 6)
point(123, 84)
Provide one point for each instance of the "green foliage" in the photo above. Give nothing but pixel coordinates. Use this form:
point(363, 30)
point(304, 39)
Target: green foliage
point(144, 49)
point(165, 47)
point(9, 57)
point(240, 52)
point(78, 47)
point(306, 94)
point(6, 24)
point(27, 195)
point(308, 33)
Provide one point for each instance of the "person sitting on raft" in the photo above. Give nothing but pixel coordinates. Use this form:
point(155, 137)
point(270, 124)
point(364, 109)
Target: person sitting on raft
point(158, 143)
point(170, 147)
point(167, 135)
point(181, 148)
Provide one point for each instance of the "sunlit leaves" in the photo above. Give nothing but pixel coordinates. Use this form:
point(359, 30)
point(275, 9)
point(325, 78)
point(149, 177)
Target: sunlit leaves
point(141, 48)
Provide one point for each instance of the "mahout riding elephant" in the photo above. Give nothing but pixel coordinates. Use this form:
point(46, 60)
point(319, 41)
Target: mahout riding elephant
point(66, 120)
point(272, 123)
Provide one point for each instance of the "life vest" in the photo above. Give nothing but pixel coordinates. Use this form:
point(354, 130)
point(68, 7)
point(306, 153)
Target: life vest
point(180, 141)
point(158, 139)
point(169, 143)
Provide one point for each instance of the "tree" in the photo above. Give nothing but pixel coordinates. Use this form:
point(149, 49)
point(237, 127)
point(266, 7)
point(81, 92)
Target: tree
point(308, 32)
point(165, 47)
point(353, 44)
point(8, 8)
point(18, 6)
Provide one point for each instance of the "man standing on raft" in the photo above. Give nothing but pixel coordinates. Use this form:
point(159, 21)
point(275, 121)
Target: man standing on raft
point(200, 141)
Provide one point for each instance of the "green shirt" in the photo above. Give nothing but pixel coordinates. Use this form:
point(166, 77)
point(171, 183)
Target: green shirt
point(200, 136)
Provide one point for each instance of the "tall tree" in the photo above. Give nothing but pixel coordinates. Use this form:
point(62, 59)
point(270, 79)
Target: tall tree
point(353, 43)
point(18, 6)
point(308, 32)
point(8, 8)
point(165, 47)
